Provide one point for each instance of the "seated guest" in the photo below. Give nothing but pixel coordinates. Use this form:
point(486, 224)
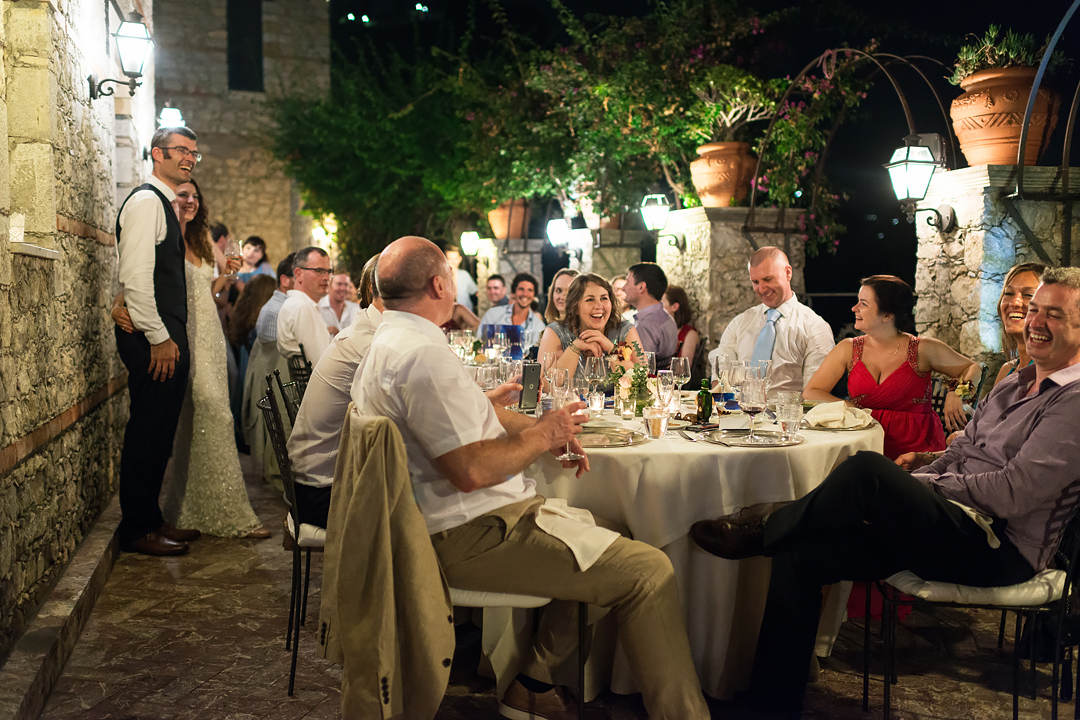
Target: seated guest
point(645, 285)
point(299, 321)
point(264, 358)
point(335, 307)
point(988, 512)
point(519, 311)
point(677, 304)
point(780, 329)
point(590, 328)
point(622, 309)
point(556, 300)
point(466, 458)
point(888, 369)
point(466, 286)
point(1016, 291)
point(313, 442)
point(496, 290)
point(241, 334)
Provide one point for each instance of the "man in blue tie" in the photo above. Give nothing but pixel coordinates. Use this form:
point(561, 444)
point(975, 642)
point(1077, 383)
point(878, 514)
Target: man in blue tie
point(780, 329)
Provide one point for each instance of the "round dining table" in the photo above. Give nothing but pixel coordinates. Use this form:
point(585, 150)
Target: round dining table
point(658, 488)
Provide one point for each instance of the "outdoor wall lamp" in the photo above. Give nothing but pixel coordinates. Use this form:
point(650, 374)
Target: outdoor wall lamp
point(133, 45)
point(170, 117)
point(654, 211)
point(470, 243)
point(558, 232)
point(675, 241)
point(910, 169)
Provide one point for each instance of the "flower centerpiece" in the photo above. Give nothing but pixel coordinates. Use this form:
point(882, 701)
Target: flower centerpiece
point(632, 385)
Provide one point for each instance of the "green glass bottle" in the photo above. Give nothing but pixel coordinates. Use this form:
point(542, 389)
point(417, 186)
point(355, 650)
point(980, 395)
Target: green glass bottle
point(704, 403)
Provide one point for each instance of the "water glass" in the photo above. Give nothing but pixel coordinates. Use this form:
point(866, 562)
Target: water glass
point(790, 417)
point(656, 421)
point(596, 403)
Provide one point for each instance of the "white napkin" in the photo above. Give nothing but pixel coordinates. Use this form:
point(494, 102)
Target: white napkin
point(838, 415)
point(576, 528)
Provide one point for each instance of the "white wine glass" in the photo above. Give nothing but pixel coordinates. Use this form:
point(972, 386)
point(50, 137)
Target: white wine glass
point(680, 368)
point(563, 394)
point(547, 365)
point(665, 386)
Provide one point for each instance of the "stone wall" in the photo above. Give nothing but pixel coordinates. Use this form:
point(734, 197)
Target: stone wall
point(709, 260)
point(958, 275)
point(242, 184)
point(62, 406)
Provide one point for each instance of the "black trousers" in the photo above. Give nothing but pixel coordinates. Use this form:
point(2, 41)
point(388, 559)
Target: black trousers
point(867, 520)
point(312, 504)
point(151, 427)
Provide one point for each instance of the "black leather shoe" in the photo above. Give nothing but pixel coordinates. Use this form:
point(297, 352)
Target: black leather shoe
point(737, 536)
point(179, 535)
point(156, 544)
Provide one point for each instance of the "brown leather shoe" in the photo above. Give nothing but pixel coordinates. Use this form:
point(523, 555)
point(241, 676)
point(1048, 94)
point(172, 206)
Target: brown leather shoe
point(156, 544)
point(179, 535)
point(520, 703)
point(737, 536)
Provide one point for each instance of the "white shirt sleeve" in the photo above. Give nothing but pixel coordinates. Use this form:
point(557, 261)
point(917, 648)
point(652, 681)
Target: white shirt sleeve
point(142, 227)
point(301, 323)
point(819, 341)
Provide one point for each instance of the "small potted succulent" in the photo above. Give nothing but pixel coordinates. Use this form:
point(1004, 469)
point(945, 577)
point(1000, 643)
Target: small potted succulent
point(996, 72)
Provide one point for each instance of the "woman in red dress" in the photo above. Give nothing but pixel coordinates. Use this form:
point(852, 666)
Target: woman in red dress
point(888, 369)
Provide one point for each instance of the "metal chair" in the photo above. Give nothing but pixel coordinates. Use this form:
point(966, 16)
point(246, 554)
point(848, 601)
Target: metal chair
point(290, 395)
point(299, 536)
point(1048, 594)
point(300, 370)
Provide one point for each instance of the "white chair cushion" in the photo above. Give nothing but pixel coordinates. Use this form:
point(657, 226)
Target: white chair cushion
point(1044, 587)
point(481, 598)
point(311, 536)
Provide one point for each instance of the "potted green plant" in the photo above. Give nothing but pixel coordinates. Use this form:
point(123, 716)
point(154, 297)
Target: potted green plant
point(727, 100)
point(996, 72)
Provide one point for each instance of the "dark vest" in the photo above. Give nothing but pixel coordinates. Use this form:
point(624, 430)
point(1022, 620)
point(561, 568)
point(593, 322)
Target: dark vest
point(170, 283)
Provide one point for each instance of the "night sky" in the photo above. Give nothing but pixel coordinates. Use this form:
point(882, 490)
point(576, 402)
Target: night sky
point(879, 239)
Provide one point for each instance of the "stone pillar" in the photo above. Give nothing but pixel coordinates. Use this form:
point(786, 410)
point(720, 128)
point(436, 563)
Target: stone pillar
point(958, 276)
point(711, 264)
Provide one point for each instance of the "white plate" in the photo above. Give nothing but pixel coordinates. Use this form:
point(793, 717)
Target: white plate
point(740, 438)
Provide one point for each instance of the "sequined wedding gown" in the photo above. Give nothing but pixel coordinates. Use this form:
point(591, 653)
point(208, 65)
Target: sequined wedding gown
point(205, 489)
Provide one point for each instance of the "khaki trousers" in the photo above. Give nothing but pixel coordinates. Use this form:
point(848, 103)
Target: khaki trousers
point(504, 551)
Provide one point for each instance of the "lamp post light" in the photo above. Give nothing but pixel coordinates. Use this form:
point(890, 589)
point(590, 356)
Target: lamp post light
point(133, 44)
point(470, 243)
point(170, 117)
point(654, 211)
point(910, 169)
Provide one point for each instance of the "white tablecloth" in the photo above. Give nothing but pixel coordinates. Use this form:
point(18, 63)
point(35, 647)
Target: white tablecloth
point(658, 489)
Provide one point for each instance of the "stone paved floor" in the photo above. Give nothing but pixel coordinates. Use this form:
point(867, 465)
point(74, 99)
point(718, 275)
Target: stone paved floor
point(201, 636)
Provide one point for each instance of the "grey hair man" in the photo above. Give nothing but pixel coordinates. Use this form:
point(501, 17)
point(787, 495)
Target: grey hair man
point(299, 320)
point(466, 460)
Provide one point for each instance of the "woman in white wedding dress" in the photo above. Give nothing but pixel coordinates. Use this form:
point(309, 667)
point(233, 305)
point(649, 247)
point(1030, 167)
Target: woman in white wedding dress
point(205, 488)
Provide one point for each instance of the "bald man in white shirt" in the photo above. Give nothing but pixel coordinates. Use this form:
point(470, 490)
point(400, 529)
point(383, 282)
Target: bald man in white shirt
point(799, 339)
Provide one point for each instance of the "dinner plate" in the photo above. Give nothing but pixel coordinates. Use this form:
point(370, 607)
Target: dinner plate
point(599, 423)
point(605, 437)
point(741, 438)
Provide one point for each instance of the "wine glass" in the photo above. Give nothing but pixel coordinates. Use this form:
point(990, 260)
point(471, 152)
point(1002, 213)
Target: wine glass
point(752, 401)
point(501, 341)
point(680, 368)
point(736, 374)
point(595, 371)
point(563, 393)
point(233, 256)
point(650, 361)
point(547, 364)
point(665, 385)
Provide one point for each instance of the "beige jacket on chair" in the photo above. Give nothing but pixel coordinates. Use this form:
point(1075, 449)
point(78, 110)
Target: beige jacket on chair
point(386, 613)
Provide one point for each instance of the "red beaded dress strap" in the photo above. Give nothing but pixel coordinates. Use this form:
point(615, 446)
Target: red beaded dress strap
point(913, 353)
point(856, 348)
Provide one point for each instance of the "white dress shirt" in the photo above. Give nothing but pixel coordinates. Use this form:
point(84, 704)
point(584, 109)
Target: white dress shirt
point(466, 286)
point(142, 228)
point(330, 317)
point(412, 376)
point(313, 443)
point(803, 339)
point(300, 323)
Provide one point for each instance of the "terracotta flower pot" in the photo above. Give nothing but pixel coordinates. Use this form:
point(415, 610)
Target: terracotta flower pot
point(723, 172)
point(988, 116)
point(506, 225)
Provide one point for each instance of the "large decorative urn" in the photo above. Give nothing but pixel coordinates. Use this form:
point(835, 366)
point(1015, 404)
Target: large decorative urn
point(722, 173)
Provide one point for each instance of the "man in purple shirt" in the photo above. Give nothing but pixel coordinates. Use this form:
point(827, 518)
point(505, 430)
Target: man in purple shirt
point(990, 511)
point(646, 283)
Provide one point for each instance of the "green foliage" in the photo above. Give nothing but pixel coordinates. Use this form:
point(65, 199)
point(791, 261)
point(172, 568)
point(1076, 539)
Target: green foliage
point(375, 153)
point(729, 99)
point(996, 49)
point(791, 175)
